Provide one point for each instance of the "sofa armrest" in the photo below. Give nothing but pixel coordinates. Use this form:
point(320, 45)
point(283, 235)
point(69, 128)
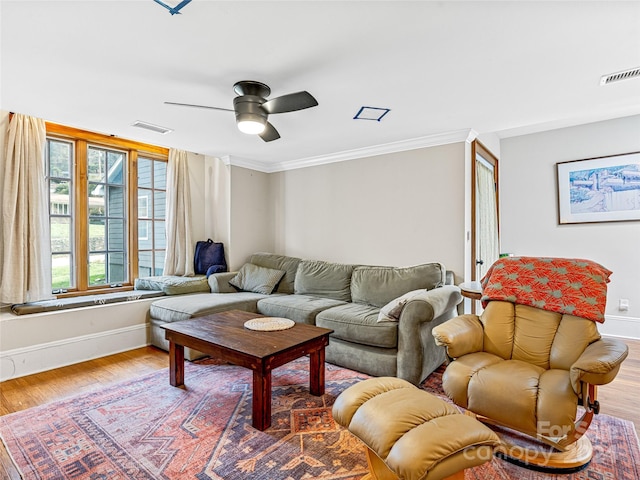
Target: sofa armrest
point(460, 336)
point(439, 301)
point(417, 353)
point(219, 282)
point(450, 278)
point(599, 363)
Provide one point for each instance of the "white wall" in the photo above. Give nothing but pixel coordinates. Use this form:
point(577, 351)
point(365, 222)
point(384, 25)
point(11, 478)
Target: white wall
point(529, 215)
point(491, 141)
point(42, 341)
point(395, 209)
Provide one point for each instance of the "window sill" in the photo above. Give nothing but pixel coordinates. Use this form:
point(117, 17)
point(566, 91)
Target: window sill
point(95, 291)
point(83, 301)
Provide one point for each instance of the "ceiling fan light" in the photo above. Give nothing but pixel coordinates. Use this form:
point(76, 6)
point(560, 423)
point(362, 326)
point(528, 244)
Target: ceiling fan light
point(251, 124)
point(251, 127)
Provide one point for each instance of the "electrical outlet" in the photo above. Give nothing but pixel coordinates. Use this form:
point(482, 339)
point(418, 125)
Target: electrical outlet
point(623, 304)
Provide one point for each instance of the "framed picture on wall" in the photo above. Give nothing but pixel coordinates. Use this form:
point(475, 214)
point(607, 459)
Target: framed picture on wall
point(603, 189)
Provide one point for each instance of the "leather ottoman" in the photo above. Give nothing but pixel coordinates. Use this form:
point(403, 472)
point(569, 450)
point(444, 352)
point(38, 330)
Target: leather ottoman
point(411, 434)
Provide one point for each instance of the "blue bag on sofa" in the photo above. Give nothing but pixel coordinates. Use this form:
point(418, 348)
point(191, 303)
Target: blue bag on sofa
point(209, 258)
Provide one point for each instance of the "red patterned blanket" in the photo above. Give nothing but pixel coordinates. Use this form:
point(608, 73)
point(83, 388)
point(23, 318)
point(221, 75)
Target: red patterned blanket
point(565, 285)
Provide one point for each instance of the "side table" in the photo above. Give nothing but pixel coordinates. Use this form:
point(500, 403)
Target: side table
point(472, 290)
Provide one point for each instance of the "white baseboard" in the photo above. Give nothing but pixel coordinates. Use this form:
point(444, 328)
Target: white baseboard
point(46, 356)
point(618, 326)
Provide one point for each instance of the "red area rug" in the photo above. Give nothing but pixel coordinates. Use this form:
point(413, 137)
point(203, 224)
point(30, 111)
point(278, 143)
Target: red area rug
point(146, 429)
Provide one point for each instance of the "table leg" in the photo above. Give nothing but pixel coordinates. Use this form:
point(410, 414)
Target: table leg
point(176, 364)
point(316, 372)
point(261, 413)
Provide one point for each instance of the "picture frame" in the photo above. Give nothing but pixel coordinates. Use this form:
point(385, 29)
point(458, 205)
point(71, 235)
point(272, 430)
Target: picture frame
point(600, 189)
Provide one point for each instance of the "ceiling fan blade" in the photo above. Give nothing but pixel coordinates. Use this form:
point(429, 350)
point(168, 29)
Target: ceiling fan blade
point(290, 102)
point(198, 106)
point(270, 133)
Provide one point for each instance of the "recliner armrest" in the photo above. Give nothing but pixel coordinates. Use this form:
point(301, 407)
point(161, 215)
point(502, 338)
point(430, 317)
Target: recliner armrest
point(599, 363)
point(460, 335)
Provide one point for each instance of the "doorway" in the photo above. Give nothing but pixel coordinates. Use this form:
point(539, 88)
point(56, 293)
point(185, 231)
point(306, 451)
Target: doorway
point(485, 228)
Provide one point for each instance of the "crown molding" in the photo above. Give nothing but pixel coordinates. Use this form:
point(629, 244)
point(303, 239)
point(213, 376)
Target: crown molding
point(472, 136)
point(247, 163)
point(567, 122)
point(445, 138)
point(393, 147)
point(467, 135)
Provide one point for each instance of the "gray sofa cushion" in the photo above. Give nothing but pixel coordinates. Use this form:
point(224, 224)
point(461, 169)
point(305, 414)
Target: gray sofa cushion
point(183, 307)
point(257, 279)
point(279, 262)
point(358, 323)
point(299, 308)
point(324, 279)
point(173, 284)
point(377, 286)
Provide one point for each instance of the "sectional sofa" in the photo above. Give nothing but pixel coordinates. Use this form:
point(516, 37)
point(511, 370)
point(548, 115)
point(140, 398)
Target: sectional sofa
point(381, 316)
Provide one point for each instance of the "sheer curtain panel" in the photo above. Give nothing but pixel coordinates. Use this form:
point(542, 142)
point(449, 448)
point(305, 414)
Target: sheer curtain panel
point(487, 216)
point(26, 248)
point(180, 246)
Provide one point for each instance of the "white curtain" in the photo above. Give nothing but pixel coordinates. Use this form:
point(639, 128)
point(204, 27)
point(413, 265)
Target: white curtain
point(180, 247)
point(26, 245)
point(488, 247)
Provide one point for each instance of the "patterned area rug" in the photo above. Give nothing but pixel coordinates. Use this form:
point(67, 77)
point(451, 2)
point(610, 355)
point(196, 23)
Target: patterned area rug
point(146, 429)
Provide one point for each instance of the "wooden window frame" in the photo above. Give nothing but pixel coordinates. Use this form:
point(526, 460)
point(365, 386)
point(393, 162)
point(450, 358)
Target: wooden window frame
point(82, 139)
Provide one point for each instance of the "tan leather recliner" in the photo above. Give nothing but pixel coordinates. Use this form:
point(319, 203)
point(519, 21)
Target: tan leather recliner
point(529, 369)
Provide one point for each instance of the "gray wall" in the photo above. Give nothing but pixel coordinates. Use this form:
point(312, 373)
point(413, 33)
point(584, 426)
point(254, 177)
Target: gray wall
point(528, 209)
point(395, 209)
point(251, 228)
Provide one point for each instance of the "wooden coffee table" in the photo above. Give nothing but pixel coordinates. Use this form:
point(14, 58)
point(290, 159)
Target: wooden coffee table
point(223, 335)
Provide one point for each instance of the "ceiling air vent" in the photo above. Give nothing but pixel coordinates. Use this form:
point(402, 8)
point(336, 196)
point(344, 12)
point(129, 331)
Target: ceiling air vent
point(371, 113)
point(616, 77)
point(151, 126)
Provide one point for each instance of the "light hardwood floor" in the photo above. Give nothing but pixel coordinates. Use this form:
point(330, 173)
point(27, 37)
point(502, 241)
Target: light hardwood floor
point(619, 398)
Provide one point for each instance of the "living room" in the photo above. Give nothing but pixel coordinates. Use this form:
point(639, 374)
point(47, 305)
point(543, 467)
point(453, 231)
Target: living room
point(360, 210)
point(379, 205)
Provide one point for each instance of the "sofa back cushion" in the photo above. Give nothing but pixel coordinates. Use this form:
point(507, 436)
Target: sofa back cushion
point(279, 262)
point(324, 279)
point(377, 286)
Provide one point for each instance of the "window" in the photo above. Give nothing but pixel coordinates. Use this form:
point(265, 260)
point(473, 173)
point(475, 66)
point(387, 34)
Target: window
point(60, 164)
point(152, 182)
point(106, 197)
point(106, 210)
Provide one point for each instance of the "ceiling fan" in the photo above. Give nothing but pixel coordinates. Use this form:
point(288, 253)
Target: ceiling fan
point(252, 107)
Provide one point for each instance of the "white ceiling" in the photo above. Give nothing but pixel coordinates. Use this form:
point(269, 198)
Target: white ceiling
point(507, 67)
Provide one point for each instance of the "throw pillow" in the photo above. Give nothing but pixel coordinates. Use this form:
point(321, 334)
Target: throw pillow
point(253, 278)
point(392, 310)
